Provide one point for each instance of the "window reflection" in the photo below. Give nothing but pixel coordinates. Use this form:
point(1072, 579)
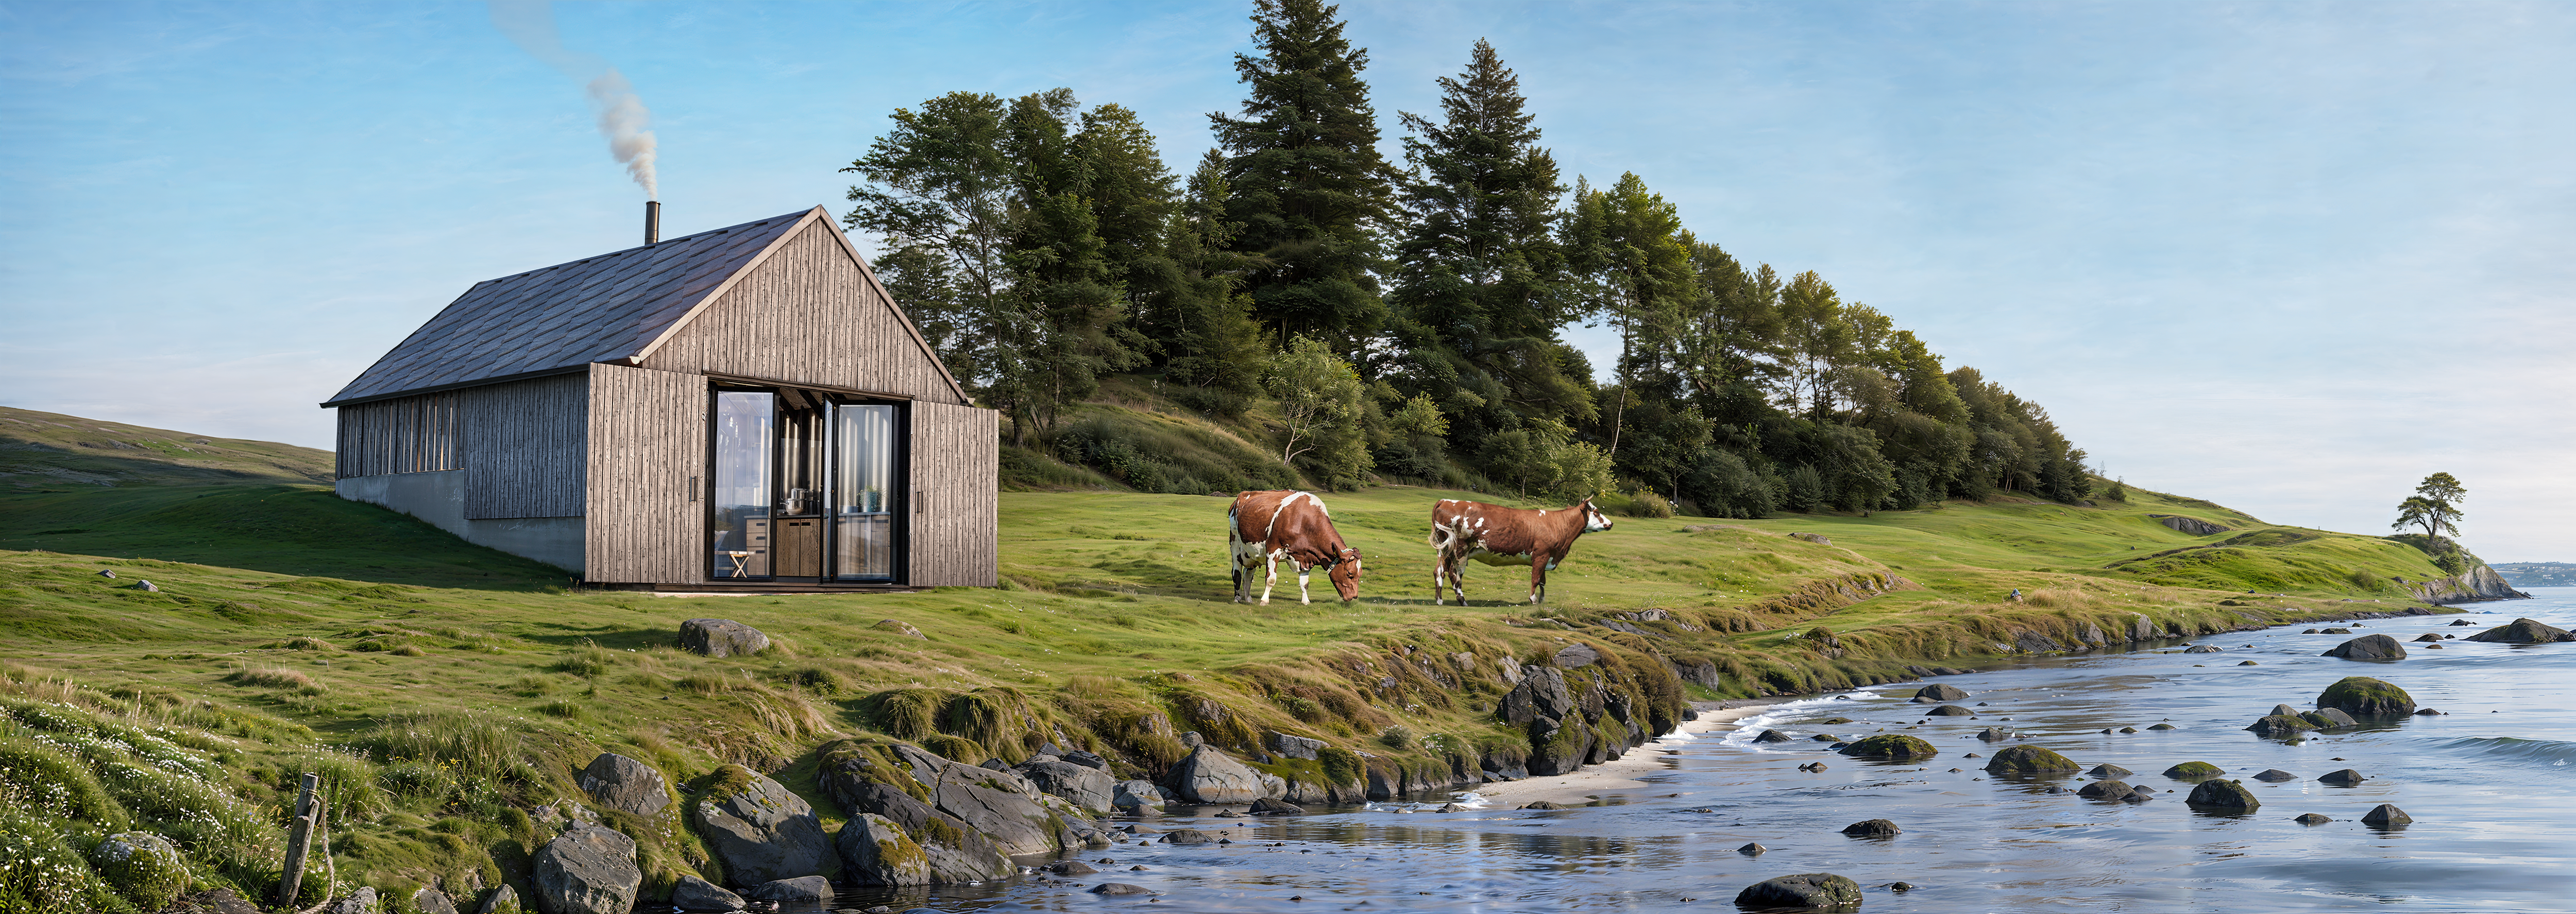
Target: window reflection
point(866, 498)
point(741, 538)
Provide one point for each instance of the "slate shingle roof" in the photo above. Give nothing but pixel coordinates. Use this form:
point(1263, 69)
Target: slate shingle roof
point(595, 309)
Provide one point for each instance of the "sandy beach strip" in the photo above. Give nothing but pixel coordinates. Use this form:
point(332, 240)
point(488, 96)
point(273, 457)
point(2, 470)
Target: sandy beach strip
point(1619, 775)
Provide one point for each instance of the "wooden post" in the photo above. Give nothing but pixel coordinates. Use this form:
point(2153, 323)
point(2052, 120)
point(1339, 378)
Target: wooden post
point(299, 840)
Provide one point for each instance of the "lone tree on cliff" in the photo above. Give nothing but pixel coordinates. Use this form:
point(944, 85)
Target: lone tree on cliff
point(2433, 508)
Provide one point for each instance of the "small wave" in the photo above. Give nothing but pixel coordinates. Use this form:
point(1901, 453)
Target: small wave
point(1746, 729)
point(2537, 751)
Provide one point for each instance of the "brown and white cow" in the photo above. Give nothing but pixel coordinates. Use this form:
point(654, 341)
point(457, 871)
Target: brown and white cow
point(1496, 535)
point(1265, 528)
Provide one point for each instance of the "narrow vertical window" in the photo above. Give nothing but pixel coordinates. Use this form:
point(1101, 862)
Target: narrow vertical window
point(865, 494)
point(741, 535)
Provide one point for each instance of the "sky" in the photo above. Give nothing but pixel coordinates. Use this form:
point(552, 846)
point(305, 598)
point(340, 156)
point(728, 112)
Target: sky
point(2289, 257)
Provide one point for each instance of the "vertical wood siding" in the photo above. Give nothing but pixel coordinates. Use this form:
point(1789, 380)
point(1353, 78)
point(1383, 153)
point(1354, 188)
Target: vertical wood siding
point(956, 507)
point(807, 315)
point(417, 434)
point(647, 439)
point(524, 447)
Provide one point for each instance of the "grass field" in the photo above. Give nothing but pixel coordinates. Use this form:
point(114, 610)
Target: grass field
point(451, 688)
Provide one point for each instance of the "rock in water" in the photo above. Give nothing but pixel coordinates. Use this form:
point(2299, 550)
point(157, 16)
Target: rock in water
point(2329, 719)
point(2285, 709)
point(2275, 774)
point(2462, 622)
point(1993, 735)
point(2281, 725)
point(995, 807)
point(956, 852)
point(1950, 711)
point(2523, 631)
point(1806, 890)
point(2428, 636)
point(1208, 775)
point(2194, 770)
point(626, 785)
point(1542, 805)
point(1772, 736)
point(2344, 778)
point(2108, 772)
point(2309, 818)
point(2385, 815)
point(588, 870)
point(2226, 795)
point(1751, 850)
point(761, 830)
point(2164, 727)
point(801, 888)
point(2029, 759)
point(2200, 649)
point(695, 894)
point(2362, 696)
point(1890, 746)
point(1185, 836)
point(1874, 828)
point(722, 638)
point(1941, 691)
point(1081, 785)
point(875, 851)
point(2104, 790)
point(1119, 888)
point(2369, 647)
point(1269, 807)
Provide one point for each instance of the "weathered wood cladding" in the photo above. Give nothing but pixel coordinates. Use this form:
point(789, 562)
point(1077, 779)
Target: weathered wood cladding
point(647, 442)
point(417, 434)
point(956, 509)
point(525, 443)
point(807, 315)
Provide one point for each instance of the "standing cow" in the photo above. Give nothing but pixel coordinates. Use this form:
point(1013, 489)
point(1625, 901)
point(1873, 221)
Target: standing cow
point(1266, 527)
point(1496, 535)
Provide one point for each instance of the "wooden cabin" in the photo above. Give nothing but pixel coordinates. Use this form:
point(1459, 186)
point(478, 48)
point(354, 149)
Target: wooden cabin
point(744, 408)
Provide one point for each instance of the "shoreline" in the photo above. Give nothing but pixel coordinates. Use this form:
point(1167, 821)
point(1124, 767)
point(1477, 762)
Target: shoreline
point(1619, 775)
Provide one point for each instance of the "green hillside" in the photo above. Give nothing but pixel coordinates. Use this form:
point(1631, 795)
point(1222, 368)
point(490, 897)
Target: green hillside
point(51, 450)
point(457, 687)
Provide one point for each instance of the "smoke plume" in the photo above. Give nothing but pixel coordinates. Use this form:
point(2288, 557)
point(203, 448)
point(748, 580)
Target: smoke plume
point(622, 116)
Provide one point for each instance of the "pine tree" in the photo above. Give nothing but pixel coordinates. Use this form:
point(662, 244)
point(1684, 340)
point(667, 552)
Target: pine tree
point(1202, 318)
point(1309, 187)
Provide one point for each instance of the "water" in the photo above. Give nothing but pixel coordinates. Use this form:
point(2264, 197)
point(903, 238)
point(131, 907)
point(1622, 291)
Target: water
point(2489, 785)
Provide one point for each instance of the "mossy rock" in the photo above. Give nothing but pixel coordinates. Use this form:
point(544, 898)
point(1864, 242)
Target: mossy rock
point(2227, 795)
point(2193, 771)
point(2280, 725)
point(143, 867)
point(1891, 746)
point(2362, 696)
point(2028, 759)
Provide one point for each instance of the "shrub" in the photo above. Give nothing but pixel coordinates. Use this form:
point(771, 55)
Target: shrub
point(2364, 579)
point(1648, 504)
point(417, 779)
point(1341, 765)
point(141, 866)
point(819, 679)
point(472, 745)
point(1396, 737)
point(350, 792)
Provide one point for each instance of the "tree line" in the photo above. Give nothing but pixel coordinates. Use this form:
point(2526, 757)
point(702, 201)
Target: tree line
point(1404, 320)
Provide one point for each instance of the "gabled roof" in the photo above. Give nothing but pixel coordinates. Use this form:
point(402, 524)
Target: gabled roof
point(614, 307)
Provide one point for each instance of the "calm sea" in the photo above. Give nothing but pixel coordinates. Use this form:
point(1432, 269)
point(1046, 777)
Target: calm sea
point(2489, 784)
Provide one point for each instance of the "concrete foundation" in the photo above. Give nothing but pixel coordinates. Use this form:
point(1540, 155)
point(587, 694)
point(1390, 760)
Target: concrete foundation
point(439, 498)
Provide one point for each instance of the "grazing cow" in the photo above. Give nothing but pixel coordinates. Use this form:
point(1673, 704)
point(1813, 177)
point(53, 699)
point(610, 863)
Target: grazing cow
point(1266, 527)
point(1496, 535)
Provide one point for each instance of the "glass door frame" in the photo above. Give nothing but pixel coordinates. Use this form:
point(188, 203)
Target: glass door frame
point(900, 491)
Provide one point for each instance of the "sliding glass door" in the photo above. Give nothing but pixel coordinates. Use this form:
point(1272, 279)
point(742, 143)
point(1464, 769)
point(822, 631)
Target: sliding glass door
point(745, 438)
point(867, 494)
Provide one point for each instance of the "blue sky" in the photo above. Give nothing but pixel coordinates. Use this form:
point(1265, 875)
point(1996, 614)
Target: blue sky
point(2290, 257)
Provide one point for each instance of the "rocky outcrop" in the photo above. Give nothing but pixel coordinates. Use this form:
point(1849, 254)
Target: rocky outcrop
point(694, 894)
point(722, 638)
point(626, 785)
point(1816, 891)
point(2523, 631)
point(1541, 695)
point(1297, 747)
point(876, 851)
point(2189, 525)
point(1086, 787)
point(2368, 647)
point(801, 888)
point(588, 870)
point(1009, 818)
point(762, 831)
point(955, 852)
point(1207, 775)
point(2476, 585)
point(1573, 656)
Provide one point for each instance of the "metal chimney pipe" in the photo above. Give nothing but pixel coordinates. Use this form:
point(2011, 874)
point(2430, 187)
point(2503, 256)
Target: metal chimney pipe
point(652, 221)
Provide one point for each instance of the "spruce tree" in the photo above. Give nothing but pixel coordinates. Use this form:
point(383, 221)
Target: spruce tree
point(1309, 187)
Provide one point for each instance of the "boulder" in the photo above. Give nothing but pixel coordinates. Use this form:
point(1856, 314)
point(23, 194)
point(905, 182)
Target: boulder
point(1771, 736)
point(761, 830)
point(1874, 828)
point(1208, 775)
point(956, 852)
point(1752, 850)
point(2428, 636)
point(2281, 725)
point(2309, 818)
point(2523, 631)
point(2200, 649)
point(2368, 647)
point(362, 901)
point(1543, 805)
point(2036, 643)
point(2163, 727)
point(2285, 709)
point(1185, 837)
point(1950, 711)
point(2275, 775)
point(2462, 622)
point(1573, 656)
point(2334, 631)
point(990, 804)
point(141, 865)
point(503, 900)
point(2345, 778)
point(722, 638)
point(875, 851)
point(1137, 794)
point(801, 888)
point(1269, 807)
point(2225, 795)
point(2194, 770)
point(587, 870)
point(2105, 790)
point(2362, 696)
point(1070, 868)
point(1119, 888)
point(695, 894)
point(1993, 735)
point(1087, 760)
point(1090, 788)
point(1826, 738)
point(1818, 891)
point(1941, 691)
point(2108, 772)
point(426, 900)
point(1293, 746)
point(1540, 694)
point(2329, 718)
point(2427, 712)
point(2029, 759)
point(2385, 815)
point(1890, 746)
point(625, 785)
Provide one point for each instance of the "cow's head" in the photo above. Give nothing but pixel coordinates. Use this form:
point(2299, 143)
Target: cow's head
point(1345, 574)
point(1593, 520)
